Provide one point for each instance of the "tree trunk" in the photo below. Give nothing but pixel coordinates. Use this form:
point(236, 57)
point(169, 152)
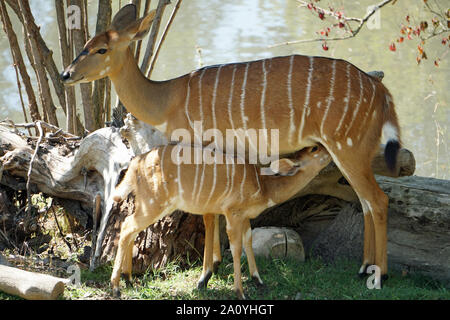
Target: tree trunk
point(38, 61)
point(103, 20)
point(179, 237)
point(79, 39)
point(18, 60)
point(73, 170)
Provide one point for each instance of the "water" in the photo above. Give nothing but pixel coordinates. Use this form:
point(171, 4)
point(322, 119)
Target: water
point(236, 30)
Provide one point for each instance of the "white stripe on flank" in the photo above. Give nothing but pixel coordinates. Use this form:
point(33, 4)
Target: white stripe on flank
point(257, 180)
point(164, 182)
point(330, 96)
point(219, 199)
point(201, 182)
point(263, 96)
point(358, 104)
point(242, 105)
point(230, 98)
point(290, 102)
point(186, 104)
point(180, 188)
point(214, 184)
point(349, 142)
point(370, 105)
point(195, 180)
point(200, 106)
point(346, 99)
point(213, 103)
point(232, 178)
point(306, 104)
point(243, 182)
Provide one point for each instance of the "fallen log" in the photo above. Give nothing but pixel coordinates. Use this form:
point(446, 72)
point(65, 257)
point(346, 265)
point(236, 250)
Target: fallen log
point(92, 170)
point(418, 225)
point(30, 285)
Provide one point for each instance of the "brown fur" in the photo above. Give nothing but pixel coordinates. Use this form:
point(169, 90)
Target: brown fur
point(309, 100)
point(161, 186)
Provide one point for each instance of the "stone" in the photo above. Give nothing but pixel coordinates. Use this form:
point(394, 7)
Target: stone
point(279, 243)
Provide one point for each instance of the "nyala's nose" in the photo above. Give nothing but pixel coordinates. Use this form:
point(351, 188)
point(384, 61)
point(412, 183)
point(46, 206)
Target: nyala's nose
point(65, 75)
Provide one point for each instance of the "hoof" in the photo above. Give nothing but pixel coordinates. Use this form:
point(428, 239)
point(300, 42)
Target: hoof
point(203, 281)
point(362, 273)
point(216, 266)
point(383, 279)
point(240, 295)
point(257, 280)
point(116, 293)
point(127, 278)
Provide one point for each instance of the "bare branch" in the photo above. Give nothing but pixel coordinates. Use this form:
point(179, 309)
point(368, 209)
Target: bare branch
point(64, 45)
point(153, 35)
point(139, 45)
point(103, 20)
point(39, 61)
point(79, 37)
point(352, 33)
point(163, 37)
point(434, 34)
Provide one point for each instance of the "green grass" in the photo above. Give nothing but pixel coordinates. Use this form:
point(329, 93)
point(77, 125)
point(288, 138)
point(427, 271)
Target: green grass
point(284, 279)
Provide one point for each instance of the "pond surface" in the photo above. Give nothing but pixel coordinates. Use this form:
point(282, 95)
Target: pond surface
point(237, 30)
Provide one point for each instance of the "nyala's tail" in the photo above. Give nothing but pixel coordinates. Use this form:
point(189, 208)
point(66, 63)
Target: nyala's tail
point(391, 132)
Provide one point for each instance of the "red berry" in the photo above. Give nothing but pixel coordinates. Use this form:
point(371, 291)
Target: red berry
point(392, 47)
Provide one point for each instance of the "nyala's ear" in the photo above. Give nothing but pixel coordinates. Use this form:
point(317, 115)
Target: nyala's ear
point(284, 167)
point(139, 29)
point(124, 18)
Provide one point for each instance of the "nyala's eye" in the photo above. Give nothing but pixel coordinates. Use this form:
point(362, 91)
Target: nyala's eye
point(102, 51)
point(314, 149)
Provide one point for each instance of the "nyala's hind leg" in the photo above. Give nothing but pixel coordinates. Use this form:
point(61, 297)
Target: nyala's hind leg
point(247, 240)
point(217, 254)
point(208, 220)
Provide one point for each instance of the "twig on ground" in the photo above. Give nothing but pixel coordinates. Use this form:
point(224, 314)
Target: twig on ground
point(30, 168)
point(60, 231)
